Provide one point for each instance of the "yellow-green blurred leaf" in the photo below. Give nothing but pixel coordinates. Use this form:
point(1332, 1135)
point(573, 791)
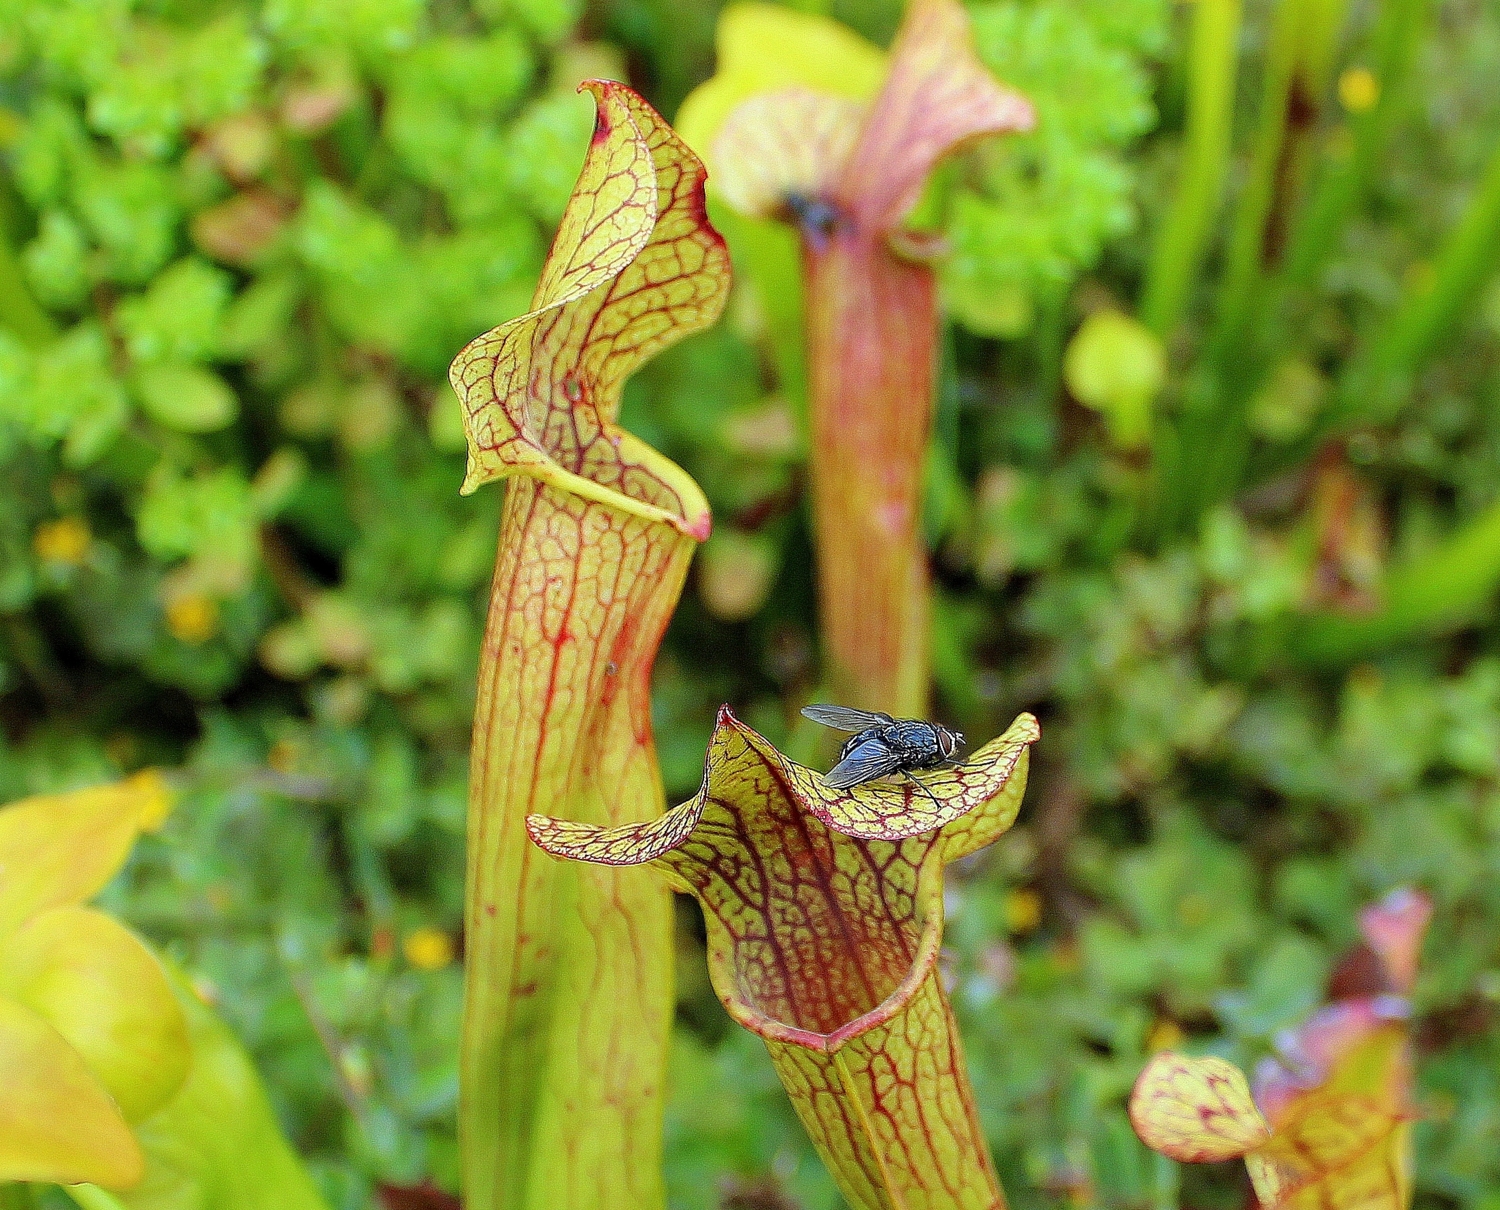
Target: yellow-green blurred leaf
point(94, 982)
point(56, 1122)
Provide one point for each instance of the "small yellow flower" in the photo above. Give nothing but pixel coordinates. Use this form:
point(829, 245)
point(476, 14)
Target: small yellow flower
point(193, 618)
point(284, 755)
point(1165, 1034)
point(1359, 90)
point(428, 949)
point(65, 541)
point(1023, 911)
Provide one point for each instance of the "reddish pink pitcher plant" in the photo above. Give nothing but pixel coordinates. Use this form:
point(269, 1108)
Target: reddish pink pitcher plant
point(848, 175)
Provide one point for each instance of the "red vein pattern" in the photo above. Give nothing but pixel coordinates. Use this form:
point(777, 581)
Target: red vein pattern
point(568, 990)
point(825, 944)
point(1328, 1127)
point(872, 323)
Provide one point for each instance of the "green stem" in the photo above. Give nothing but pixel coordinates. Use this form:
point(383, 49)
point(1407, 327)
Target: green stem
point(1396, 38)
point(1247, 240)
point(1184, 236)
point(1432, 310)
point(1436, 592)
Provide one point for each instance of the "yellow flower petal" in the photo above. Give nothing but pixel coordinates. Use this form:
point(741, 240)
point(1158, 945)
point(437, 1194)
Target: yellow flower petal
point(94, 982)
point(1359, 90)
point(56, 1122)
point(764, 47)
point(64, 541)
point(63, 848)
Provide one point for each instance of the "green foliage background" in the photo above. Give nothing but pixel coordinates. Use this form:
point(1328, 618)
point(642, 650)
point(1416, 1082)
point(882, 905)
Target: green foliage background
point(243, 241)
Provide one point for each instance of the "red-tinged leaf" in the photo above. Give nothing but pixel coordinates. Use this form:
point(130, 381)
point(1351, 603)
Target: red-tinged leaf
point(1335, 1102)
point(1340, 1134)
point(937, 97)
point(1394, 928)
point(825, 944)
point(1196, 1110)
point(568, 996)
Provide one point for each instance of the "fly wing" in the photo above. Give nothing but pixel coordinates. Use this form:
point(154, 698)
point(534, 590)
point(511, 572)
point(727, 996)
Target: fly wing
point(867, 761)
point(844, 718)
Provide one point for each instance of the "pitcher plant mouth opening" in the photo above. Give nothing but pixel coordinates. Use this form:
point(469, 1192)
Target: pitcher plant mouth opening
point(824, 912)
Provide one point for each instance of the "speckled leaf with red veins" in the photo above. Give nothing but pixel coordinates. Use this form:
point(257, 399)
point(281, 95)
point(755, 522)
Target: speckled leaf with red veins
point(1328, 1125)
point(568, 993)
point(825, 944)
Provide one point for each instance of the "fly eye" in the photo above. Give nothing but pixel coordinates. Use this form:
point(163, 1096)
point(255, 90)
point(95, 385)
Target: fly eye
point(948, 741)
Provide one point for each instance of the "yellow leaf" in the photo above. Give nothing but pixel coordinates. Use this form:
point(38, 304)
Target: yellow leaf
point(216, 1144)
point(1196, 1110)
point(94, 982)
point(56, 1122)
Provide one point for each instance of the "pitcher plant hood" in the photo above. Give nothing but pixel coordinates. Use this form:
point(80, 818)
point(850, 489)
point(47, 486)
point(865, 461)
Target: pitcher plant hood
point(824, 911)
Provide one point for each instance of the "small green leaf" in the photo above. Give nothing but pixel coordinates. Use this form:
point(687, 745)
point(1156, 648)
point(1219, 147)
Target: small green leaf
point(186, 398)
point(1116, 366)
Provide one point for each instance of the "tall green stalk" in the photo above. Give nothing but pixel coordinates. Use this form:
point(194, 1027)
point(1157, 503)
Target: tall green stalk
point(1431, 310)
point(1396, 38)
point(1184, 236)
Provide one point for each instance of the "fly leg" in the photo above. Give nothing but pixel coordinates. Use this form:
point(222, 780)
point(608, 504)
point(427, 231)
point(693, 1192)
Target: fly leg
point(907, 774)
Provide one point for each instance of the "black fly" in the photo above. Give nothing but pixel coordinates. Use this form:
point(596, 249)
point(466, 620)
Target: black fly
point(882, 746)
point(817, 218)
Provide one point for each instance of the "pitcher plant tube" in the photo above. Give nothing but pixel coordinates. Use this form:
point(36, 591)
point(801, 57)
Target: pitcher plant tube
point(824, 911)
point(568, 990)
point(1328, 1124)
point(848, 175)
